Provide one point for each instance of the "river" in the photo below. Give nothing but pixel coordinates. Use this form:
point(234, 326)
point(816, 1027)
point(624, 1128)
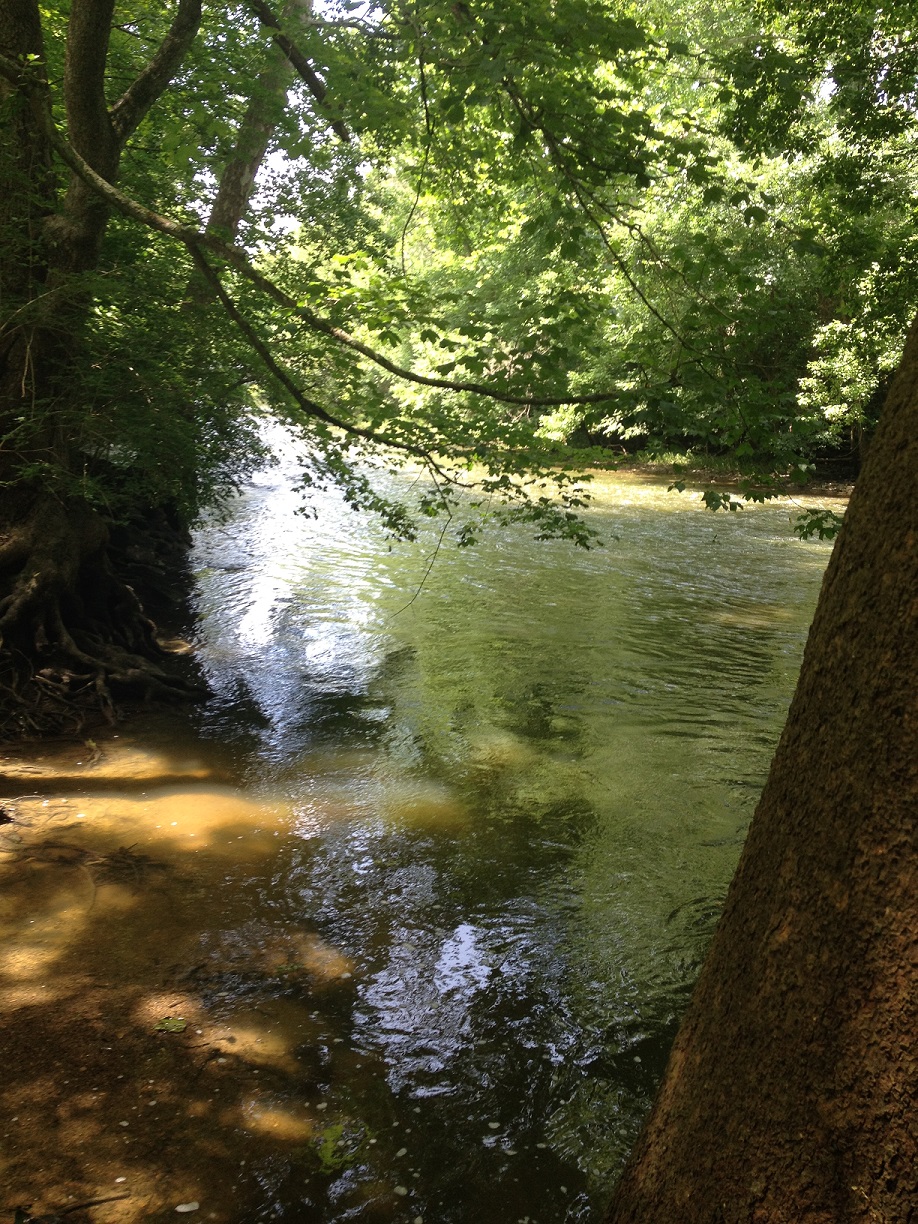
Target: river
point(399, 926)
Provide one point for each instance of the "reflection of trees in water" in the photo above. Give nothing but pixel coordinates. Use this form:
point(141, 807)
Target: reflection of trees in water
point(541, 768)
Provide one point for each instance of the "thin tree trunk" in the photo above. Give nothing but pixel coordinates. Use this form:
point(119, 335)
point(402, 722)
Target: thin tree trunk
point(256, 131)
point(791, 1095)
point(237, 182)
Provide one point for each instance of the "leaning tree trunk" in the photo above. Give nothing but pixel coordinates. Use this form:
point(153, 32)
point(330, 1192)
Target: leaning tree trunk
point(790, 1095)
point(259, 123)
point(266, 106)
point(253, 139)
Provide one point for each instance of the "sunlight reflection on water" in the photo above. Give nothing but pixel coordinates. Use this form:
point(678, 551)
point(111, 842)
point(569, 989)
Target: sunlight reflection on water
point(433, 878)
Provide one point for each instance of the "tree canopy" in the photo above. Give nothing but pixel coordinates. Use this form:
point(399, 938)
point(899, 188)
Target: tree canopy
point(500, 244)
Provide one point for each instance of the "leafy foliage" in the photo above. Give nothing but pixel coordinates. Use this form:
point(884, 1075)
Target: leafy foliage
point(631, 226)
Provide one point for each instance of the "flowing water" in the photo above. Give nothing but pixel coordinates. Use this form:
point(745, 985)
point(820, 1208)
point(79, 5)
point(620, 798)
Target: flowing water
point(399, 927)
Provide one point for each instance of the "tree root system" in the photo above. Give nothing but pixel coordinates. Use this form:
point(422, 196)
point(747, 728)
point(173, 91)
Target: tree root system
point(76, 643)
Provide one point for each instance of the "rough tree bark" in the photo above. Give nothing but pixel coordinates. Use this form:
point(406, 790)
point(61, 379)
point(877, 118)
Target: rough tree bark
point(790, 1095)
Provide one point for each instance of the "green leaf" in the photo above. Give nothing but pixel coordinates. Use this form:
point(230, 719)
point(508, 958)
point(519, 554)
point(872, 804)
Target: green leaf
point(715, 500)
point(825, 524)
point(755, 213)
point(806, 245)
point(171, 1024)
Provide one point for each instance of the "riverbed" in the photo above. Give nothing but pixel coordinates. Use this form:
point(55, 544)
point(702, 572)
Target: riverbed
point(398, 927)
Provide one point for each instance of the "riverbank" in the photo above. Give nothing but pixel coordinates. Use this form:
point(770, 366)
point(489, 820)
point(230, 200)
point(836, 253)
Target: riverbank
point(697, 475)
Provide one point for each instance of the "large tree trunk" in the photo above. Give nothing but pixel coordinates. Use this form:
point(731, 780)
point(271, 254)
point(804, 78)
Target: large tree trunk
point(790, 1095)
point(71, 630)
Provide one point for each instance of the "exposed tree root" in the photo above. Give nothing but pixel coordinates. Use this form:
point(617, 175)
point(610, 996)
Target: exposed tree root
point(75, 641)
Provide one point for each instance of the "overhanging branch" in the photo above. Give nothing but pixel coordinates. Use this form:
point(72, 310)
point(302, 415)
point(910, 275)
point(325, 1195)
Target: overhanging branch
point(309, 407)
point(191, 237)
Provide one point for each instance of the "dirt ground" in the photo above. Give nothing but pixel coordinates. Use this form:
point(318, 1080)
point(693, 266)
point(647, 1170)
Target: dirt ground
point(133, 1086)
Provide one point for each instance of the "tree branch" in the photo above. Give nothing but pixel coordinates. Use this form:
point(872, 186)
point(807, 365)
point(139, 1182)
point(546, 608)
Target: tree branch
point(237, 259)
point(305, 70)
point(137, 99)
point(88, 120)
point(310, 407)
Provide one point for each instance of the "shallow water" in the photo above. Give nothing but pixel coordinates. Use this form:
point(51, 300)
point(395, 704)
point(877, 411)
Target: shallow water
point(425, 884)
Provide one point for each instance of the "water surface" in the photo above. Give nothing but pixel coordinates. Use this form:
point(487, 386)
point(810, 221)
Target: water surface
point(427, 882)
